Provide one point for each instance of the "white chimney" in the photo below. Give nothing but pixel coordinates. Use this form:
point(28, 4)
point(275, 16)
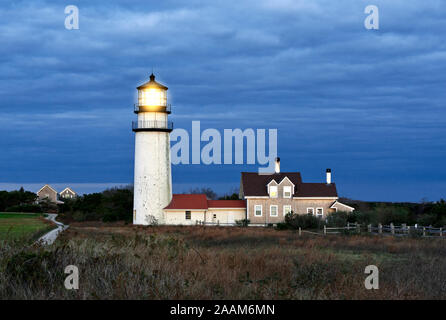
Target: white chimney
point(328, 176)
point(277, 166)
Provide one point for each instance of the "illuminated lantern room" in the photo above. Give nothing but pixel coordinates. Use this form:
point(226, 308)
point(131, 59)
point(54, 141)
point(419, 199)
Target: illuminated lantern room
point(152, 97)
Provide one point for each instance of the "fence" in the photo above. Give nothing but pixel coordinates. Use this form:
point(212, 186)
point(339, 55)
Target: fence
point(406, 230)
point(336, 230)
point(402, 230)
point(234, 224)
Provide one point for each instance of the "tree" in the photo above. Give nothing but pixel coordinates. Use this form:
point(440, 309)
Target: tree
point(210, 194)
point(233, 196)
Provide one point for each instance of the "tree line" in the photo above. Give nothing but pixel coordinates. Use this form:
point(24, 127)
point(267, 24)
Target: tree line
point(116, 204)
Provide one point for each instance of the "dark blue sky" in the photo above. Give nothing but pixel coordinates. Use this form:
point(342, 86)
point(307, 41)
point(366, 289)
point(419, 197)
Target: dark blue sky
point(370, 104)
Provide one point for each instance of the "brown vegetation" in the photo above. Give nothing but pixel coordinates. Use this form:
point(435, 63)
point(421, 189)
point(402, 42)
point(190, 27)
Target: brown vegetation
point(127, 262)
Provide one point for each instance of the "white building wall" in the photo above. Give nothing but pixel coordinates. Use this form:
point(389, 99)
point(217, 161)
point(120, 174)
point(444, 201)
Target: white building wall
point(225, 215)
point(178, 217)
point(152, 179)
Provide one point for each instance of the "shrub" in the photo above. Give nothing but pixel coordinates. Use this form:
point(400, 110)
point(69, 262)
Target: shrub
point(437, 214)
point(282, 226)
point(78, 216)
point(426, 220)
point(304, 221)
point(110, 205)
point(109, 217)
point(384, 214)
point(242, 223)
point(16, 198)
point(395, 215)
point(338, 219)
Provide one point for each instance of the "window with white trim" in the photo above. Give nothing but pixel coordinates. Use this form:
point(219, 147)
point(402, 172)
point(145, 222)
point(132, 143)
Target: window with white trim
point(286, 210)
point(188, 215)
point(319, 212)
point(273, 191)
point(273, 211)
point(287, 191)
point(258, 210)
point(310, 211)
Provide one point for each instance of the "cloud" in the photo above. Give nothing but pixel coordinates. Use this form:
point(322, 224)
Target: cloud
point(339, 94)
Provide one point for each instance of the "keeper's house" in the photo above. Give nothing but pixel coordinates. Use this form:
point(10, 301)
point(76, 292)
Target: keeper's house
point(270, 197)
point(266, 199)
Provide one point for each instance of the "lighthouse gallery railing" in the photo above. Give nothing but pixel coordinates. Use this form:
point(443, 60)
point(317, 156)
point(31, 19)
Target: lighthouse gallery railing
point(152, 124)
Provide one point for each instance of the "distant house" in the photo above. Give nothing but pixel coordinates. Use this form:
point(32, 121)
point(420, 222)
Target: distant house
point(47, 193)
point(67, 193)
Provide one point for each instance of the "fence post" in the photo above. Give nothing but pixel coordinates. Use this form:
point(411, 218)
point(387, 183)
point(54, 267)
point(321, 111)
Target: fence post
point(380, 228)
point(424, 231)
point(441, 232)
point(325, 229)
point(370, 228)
point(300, 231)
point(408, 230)
point(403, 227)
point(392, 228)
point(348, 225)
point(358, 227)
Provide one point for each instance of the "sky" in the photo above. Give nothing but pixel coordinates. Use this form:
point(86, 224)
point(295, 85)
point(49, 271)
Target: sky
point(369, 104)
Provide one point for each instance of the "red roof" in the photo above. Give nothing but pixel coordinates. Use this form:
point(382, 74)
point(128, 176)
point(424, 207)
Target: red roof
point(200, 202)
point(188, 201)
point(226, 203)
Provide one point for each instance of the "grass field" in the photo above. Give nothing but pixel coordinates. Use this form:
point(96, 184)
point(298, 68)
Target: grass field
point(15, 226)
point(127, 262)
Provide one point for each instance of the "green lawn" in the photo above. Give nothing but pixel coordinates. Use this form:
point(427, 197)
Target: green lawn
point(22, 225)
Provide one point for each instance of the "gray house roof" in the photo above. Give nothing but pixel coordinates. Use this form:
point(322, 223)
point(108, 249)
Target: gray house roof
point(254, 184)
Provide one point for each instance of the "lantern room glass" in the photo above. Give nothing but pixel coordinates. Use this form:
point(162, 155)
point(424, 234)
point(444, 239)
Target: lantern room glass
point(152, 97)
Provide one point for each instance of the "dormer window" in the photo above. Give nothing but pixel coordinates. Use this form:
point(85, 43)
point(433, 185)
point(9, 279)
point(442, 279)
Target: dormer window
point(273, 191)
point(287, 191)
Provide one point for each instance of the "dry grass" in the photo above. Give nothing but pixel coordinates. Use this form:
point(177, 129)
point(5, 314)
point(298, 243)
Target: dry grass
point(127, 262)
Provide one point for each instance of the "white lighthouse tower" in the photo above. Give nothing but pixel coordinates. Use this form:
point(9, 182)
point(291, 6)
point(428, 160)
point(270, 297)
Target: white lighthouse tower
point(153, 180)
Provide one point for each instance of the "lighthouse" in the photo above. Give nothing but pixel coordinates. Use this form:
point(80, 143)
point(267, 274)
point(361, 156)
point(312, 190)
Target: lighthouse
point(153, 180)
